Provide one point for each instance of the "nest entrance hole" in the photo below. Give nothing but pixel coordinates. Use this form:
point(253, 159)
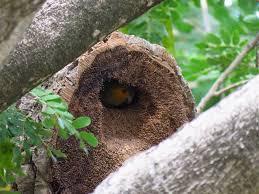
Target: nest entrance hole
point(116, 94)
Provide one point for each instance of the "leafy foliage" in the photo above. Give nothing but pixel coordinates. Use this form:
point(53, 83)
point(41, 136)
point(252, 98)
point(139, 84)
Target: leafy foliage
point(20, 135)
point(203, 56)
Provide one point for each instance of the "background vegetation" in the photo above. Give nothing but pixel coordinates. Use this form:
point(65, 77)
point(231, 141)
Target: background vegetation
point(202, 50)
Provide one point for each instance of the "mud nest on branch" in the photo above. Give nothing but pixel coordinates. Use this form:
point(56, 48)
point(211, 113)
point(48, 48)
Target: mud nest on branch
point(136, 97)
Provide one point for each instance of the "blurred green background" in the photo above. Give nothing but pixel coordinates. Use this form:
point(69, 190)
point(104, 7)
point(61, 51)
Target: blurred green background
point(203, 50)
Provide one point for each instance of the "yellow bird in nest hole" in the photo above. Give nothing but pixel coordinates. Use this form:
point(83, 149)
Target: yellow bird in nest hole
point(117, 95)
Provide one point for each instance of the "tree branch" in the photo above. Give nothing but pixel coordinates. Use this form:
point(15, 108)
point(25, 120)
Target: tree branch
point(257, 55)
point(15, 17)
point(205, 15)
point(224, 75)
point(60, 32)
point(217, 153)
point(223, 90)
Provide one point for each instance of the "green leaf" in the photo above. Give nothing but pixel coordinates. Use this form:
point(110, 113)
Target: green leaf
point(183, 26)
point(172, 3)
point(71, 129)
point(61, 123)
point(224, 16)
point(197, 3)
point(34, 140)
point(49, 122)
point(65, 114)
point(246, 6)
point(27, 148)
point(251, 18)
point(175, 16)
point(47, 110)
point(212, 38)
point(225, 36)
point(31, 132)
point(9, 192)
point(235, 37)
point(15, 130)
point(89, 138)
point(63, 133)
point(58, 105)
point(83, 147)
point(6, 153)
point(51, 97)
point(81, 122)
point(58, 153)
point(40, 92)
point(82, 144)
point(201, 45)
point(17, 156)
point(45, 133)
point(243, 43)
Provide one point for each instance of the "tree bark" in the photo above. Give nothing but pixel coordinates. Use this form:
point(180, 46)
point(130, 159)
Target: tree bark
point(60, 32)
point(15, 16)
point(216, 153)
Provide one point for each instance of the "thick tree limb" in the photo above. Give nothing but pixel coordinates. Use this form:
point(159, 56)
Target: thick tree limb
point(60, 32)
point(15, 16)
point(224, 75)
point(216, 153)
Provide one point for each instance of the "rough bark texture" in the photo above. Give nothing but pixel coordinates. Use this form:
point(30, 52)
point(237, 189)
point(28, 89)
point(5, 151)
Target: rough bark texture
point(15, 16)
point(60, 32)
point(125, 131)
point(216, 153)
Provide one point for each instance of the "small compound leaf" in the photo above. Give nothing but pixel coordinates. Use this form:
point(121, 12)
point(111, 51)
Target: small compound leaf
point(40, 92)
point(225, 36)
point(61, 123)
point(57, 105)
point(71, 129)
point(63, 133)
point(89, 138)
point(212, 38)
point(45, 133)
point(58, 153)
point(65, 114)
point(235, 38)
point(81, 122)
point(52, 97)
point(47, 110)
point(49, 123)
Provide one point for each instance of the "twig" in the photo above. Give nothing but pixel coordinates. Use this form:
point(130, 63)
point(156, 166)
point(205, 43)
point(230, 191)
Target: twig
point(223, 76)
point(257, 55)
point(205, 15)
point(223, 90)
